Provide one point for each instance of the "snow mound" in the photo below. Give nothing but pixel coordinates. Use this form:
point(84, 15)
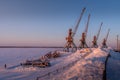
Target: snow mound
point(89, 68)
point(24, 69)
point(86, 50)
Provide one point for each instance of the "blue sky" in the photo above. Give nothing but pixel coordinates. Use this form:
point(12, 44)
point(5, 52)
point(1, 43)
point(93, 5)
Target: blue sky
point(46, 22)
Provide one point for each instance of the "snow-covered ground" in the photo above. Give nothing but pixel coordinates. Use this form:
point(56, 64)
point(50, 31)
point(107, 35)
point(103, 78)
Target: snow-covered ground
point(90, 68)
point(113, 66)
point(14, 56)
point(84, 64)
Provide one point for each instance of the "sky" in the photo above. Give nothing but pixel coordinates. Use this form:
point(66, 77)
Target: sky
point(46, 22)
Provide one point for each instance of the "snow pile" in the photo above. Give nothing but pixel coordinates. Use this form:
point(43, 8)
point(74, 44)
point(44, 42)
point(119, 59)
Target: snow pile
point(65, 62)
point(89, 68)
point(75, 56)
point(24, 69)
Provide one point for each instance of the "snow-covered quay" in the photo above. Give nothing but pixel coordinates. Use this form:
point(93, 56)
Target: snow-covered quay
point(84, 64)
point(89, 68)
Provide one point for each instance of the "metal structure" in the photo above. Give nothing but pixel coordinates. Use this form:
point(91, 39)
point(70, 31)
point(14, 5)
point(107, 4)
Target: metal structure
point(118, 47)
point(117, 44)
point(95, 38)
point(104, 45)
point(84, 35)
point(70, 43)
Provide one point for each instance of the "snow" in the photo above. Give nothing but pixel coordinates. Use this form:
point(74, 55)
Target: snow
point(90, 68)
point(14, 56)
point(84, 64)
point(11, 56)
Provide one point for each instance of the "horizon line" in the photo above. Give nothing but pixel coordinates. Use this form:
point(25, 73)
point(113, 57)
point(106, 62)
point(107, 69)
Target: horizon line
point(31, 47)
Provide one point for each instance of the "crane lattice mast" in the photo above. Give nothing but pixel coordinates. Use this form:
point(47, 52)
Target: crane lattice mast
point(99, 30)
point(78, 22)
point(84, 35)
point(95, 38)
point(86, 29)
point(107, 35)
point(104, 45)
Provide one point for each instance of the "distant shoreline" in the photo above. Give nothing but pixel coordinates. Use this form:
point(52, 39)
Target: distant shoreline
point(29, 47)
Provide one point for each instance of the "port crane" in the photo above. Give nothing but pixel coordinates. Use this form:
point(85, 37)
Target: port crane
point(70, 42)
point(83, 43)
point(104, 45)
point(95, 38)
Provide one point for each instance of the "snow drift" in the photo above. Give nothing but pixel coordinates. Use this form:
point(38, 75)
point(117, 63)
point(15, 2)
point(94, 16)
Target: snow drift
point(89, 68)
point(84, 64)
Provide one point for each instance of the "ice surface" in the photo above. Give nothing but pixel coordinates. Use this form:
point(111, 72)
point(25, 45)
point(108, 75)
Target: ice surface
point(14, 56)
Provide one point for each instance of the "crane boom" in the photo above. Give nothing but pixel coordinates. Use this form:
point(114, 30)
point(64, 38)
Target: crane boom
point(99, 30)
point(86, 29)
point(107, 35)
point(76, 26)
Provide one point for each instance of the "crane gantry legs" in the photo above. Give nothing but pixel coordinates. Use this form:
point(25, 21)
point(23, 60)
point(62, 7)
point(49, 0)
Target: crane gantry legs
point(94, 42)
point(83, 42)
point(104, 45)
point(70, 43)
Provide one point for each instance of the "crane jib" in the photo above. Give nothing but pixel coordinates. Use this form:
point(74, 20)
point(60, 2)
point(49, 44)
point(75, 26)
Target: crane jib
point(99, 30)
point(78, 22)
point(86, 29)
point(107, 35)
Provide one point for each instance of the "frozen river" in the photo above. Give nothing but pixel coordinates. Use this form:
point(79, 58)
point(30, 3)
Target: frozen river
point(14, 56)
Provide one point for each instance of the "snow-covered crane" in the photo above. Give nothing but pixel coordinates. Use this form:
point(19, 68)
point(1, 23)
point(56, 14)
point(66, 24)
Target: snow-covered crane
point(104, 45)
point(84, 35)
point(95, 38)
point(70, 43)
